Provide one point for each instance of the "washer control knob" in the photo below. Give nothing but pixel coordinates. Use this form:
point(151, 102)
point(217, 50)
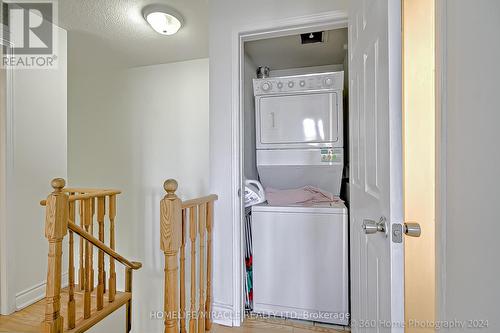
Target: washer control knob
point(291, 84)
point(302, 83)
point(328, 82)
point(280, 85)
point(266, 86)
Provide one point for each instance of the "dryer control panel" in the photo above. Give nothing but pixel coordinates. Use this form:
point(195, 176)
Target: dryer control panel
point(310, 82)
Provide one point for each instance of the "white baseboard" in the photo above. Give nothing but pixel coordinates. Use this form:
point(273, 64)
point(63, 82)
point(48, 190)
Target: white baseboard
point(222, 314)
point(35, 293)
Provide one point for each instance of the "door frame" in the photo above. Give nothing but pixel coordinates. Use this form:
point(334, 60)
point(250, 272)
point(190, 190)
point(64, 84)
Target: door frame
point(441, 153)
point(7, 278)
point(276, 28)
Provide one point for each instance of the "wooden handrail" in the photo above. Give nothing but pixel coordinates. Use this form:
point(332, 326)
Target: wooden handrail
point(87, 195)
point(90, 195)
point(199, 201)
point(130, 264)
point(88, 190)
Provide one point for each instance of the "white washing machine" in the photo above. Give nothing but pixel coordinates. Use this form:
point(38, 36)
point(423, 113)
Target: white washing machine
point(300, 254)
point(300, 262)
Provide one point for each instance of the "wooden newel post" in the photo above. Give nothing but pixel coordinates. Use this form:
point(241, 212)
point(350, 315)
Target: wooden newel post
point(56, 227)
point(170, 243)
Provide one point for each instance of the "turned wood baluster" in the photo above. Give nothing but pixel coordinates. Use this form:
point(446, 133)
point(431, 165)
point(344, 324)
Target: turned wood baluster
point(170, 241)
point(128, 288)
point(56, 227)
point(100, 260)
point(192, 237)
point(112, 273)
point(87, 218)
point(202, 220)
point(183, 274)
point(71, 271)
point(91, 231)
point(81, 270)
point(208, 307)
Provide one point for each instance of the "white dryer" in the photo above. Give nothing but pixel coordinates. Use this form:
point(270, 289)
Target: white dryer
point(300, 111)
point(299, 131)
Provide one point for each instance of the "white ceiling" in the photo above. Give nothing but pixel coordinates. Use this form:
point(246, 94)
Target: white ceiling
point(288, 52)
point(117, 29)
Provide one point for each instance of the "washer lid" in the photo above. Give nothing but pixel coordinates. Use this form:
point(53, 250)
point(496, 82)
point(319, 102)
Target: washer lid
point(324, 208)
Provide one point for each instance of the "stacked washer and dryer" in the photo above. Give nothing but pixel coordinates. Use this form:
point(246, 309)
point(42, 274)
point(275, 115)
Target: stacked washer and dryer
point(300, 253)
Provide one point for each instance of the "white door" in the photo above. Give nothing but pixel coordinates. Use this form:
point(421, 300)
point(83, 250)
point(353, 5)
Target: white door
point(375, 77)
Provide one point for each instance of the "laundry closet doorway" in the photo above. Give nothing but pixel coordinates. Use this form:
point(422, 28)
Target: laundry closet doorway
point(244, 137)
point(376, 223)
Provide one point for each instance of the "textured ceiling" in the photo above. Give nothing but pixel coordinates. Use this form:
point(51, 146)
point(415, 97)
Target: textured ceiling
point(116, 31)
point(288, 52)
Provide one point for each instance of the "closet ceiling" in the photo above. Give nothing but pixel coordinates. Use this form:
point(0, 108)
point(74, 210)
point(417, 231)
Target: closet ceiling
point(288, 52)
point(115, 31)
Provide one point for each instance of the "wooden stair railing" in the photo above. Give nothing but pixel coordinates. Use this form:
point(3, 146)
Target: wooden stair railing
point(173, 228)
point(60, 219)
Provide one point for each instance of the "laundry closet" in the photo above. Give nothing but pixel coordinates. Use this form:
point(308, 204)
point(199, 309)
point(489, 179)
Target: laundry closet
point(295, 139)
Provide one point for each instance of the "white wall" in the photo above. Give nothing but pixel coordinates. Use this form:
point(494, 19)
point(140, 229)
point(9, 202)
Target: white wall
point(132, 129)
point(115, 322)
point(226, 17)
point(39, 153)
point(471, 163)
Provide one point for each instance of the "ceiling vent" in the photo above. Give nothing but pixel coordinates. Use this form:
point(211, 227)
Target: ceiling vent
point(312, 37)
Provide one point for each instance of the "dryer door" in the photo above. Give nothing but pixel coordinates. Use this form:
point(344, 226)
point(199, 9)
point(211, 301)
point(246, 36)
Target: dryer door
point(299, 120)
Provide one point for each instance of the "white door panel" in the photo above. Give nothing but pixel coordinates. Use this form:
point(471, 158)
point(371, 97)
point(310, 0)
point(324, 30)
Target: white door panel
point(376, 164)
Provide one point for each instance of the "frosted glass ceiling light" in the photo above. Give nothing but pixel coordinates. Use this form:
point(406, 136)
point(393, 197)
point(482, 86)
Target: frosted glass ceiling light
point(164, 20)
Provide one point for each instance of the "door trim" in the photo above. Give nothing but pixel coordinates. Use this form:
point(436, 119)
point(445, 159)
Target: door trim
point(7, 278)
point(275, 28)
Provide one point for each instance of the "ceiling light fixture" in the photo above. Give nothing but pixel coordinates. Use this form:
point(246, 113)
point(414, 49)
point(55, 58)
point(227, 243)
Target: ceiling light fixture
point(164, 20)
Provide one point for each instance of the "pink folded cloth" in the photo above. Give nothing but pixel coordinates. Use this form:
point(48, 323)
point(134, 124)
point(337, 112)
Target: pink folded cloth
point(306, 195)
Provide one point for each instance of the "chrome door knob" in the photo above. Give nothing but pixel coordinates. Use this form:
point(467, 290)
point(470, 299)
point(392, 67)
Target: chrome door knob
point(371, 227)
point(412, 229)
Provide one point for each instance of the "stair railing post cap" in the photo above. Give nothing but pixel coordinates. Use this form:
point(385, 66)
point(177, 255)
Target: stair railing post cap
point(58, 184)
point(170, 186)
